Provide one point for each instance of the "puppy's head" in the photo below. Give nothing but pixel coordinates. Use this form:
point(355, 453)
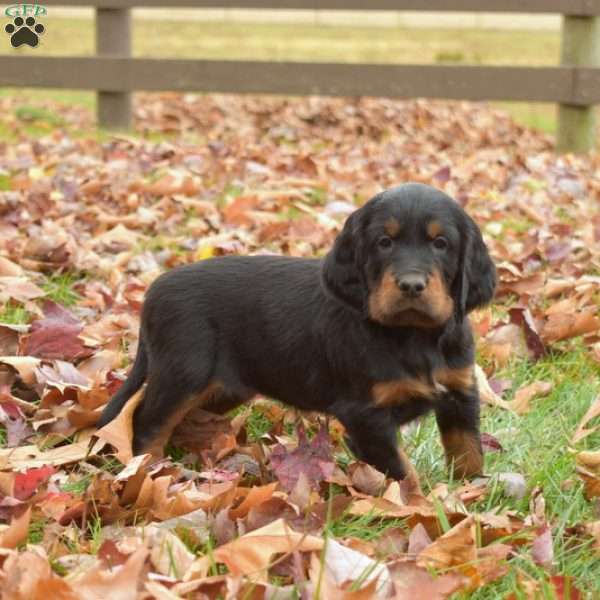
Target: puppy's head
point(410, 257)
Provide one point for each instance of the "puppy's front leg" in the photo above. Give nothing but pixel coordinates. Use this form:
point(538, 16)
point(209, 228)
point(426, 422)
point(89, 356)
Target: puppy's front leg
point(372, 436)
point(457, 415)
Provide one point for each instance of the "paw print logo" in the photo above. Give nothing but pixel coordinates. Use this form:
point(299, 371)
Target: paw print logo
point(24, 32)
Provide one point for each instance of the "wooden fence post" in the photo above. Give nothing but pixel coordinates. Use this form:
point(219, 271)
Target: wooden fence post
point(577, 125)
point(113, 38)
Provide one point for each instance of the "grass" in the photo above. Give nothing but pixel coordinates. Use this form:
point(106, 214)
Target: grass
point(536, 445)
point(60, 289)
point(14, 314)
point(304, 42)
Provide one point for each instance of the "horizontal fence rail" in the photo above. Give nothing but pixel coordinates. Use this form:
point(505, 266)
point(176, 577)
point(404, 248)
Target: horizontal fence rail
point(584, 8)
point(537, 84)
point(114, 74)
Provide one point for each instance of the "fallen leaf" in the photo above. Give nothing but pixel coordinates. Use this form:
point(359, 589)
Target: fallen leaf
point(119, 432)
point(542, 550)
point(411, 581)
point(524, 395)
point(455, 547)
point(583, 430)
point(26, 483)
point(313, 458)
point(24, 457)
point(15, 533)
point(119, 584)
point(251, 554)
point(56, 335)
point(564, 326)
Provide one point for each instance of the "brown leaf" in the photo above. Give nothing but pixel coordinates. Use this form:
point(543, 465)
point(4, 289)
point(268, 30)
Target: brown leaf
point(56, 335)
point(121, 584)
point(19, 288)
point(251, 554)
point(524, 395)
point(15, 533)
point(564, 326)
point(411, 581)
point(119, 432)
point(24, 457)
point(366, 478)
point(418, 539)
point(582, 430)
point(456, 547)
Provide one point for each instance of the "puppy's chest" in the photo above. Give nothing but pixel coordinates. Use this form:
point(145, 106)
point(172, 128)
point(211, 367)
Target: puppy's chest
point(430, 381)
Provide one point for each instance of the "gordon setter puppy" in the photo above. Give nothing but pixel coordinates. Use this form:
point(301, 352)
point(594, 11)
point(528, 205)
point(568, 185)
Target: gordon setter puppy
point(375, 333)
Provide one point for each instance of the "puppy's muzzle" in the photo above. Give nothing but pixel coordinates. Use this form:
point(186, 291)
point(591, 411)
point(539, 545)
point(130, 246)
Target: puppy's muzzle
point(412, 285)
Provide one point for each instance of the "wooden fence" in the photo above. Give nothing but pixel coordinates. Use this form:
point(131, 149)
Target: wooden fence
point(114, 74)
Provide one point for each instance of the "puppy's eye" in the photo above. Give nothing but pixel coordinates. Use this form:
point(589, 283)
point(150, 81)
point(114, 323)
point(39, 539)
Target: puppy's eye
point(440, 243)
point(385, 242)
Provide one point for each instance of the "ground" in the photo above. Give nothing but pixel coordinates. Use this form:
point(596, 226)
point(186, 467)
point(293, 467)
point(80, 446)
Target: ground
point(266, 502)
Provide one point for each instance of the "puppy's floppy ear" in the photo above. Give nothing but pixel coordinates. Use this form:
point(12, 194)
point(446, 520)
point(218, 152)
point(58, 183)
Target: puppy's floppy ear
point(475, 281)
point(341, 274)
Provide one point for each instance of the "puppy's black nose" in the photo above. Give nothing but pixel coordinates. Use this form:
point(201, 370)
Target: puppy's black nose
point(412, 284)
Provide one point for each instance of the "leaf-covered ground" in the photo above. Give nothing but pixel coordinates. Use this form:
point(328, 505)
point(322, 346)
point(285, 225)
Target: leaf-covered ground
point(266, 502)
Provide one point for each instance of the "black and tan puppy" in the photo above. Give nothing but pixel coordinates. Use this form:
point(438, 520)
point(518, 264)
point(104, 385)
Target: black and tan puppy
point(375, 333)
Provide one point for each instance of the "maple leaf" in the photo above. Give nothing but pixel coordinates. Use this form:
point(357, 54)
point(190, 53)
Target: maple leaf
point(56, 335)
point(313, 458)
point(27, 483)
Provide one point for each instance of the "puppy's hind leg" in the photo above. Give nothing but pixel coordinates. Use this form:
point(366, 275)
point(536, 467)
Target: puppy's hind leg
point(132, 384)
point(165, 404)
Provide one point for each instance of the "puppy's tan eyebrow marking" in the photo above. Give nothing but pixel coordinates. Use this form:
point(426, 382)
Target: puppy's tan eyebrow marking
point(434, 228)
point(392, 226)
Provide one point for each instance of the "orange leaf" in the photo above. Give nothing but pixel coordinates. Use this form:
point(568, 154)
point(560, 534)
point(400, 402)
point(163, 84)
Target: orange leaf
point(251, 554)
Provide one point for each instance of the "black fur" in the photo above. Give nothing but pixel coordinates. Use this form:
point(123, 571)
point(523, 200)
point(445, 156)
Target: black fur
point(302, 330)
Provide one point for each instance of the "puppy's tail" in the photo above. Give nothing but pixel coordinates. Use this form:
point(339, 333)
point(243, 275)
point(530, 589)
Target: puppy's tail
point(132, 384)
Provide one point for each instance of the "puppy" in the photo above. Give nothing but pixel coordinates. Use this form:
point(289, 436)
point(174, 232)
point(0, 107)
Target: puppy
point(375, 333)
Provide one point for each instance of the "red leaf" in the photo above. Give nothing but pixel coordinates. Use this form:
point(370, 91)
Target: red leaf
point(490, 443)
point(27, 483)
point(56, 335)
point(312, 458)
point(564, 588)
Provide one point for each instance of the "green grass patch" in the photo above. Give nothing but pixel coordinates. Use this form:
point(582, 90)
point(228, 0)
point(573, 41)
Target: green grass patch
point(536, 445)
point(60, 289)
point(364, 527)
point(14, 314)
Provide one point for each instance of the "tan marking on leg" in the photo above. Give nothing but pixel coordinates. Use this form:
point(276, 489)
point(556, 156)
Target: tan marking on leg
point(434, 228)
point(412, 477)
point(391, 393)
point(157, 445)
point(437, 298)
point(464, 451)
point(392, 227)
point(455, 379)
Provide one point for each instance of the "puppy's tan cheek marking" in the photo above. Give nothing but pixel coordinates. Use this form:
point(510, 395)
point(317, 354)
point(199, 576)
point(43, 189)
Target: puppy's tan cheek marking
point(463, 450)
point(156, 445)
point(437, 298)
point(392, 227)
point(434, 228)
point(393, 393)
point(455, 379)
point(383, 298)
